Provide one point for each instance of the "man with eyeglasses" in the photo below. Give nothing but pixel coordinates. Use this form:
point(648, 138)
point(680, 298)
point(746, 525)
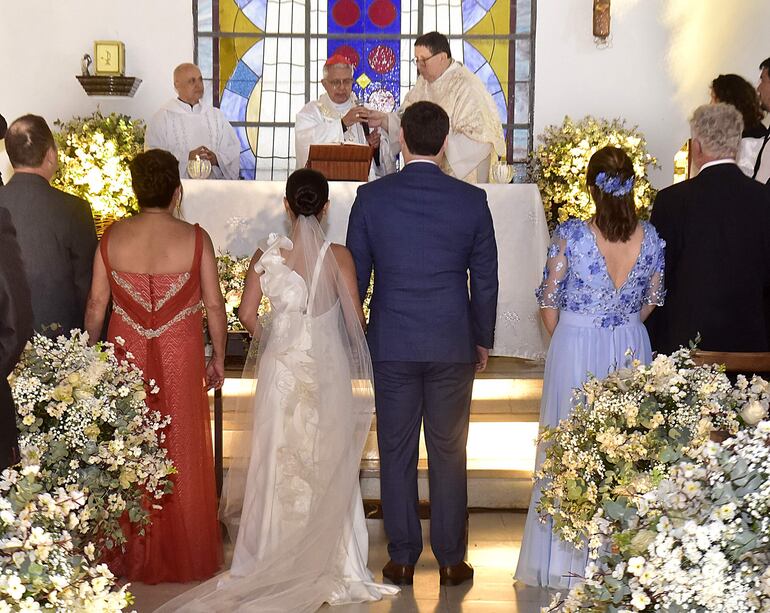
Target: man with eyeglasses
point(338, 117)
point(476, 132)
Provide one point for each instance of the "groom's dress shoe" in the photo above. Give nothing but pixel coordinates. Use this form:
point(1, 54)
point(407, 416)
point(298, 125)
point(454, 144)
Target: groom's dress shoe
point(398, 574)
point(455, 575)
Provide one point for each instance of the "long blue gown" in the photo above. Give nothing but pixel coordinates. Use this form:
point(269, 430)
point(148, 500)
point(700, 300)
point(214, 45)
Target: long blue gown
point(598, 323)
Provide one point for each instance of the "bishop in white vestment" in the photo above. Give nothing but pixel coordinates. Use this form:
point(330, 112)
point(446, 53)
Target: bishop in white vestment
point(189, 128)
point(475, 130)
point(337, 117)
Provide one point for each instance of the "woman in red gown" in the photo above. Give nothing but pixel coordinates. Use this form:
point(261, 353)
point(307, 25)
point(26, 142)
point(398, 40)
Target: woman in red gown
point(161, 275)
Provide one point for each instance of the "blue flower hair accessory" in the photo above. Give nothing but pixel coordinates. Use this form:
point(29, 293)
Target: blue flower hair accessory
point(613, 185)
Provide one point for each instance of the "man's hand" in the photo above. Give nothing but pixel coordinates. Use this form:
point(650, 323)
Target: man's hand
point(374, 138)
point(377, 119)
point(482, 353)
point(204, 153)
point(356, 115)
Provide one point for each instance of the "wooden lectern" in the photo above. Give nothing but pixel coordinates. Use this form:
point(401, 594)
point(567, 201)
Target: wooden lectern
point(345, 162)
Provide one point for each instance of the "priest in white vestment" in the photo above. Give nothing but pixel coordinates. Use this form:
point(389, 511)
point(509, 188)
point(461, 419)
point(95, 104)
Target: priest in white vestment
point(337, 117)
point(189, 128)
point(475, 130)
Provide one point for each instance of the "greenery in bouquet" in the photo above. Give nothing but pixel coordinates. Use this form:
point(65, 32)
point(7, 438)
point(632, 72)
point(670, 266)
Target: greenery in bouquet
point(698, 542)
point(232, 277)
point(627, 430)
point(41, 567)
point(83, 418)
point(558, 165)
point(94, 152)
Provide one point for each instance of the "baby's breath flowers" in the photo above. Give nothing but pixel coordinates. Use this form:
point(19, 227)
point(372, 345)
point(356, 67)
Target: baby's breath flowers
point(84, 421)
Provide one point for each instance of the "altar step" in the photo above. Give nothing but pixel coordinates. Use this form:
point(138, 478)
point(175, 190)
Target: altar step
point(501, 450)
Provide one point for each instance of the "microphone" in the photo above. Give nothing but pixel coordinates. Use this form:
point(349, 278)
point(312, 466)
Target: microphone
point(365, 127)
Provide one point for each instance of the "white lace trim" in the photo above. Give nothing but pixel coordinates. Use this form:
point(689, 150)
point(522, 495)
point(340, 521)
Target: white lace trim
point(172, 291)
point(138, 298)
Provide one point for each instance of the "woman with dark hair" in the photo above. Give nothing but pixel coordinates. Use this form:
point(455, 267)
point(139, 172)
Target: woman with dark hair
point(602, 278)
point(161, 275)
point(737, 91)
point(291, 499)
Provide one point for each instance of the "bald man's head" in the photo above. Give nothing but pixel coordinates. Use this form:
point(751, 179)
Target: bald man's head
point(188, 83)
point(27, 141)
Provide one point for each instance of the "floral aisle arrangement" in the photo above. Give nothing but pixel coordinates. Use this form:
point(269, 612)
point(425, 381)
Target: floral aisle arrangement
point(94, 152)
point(41, 568)
point(83, 419)
point(232, 277)
point(700, 541)
point(559, 164)
point(627, 430)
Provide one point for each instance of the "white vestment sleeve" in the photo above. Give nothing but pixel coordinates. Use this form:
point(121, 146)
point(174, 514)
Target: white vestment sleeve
point(312, 128)
point(155, 136)
point(228, 150)
point(387, 155)
point(465, 155)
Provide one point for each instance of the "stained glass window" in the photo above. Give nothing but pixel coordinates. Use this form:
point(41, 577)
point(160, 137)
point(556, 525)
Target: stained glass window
point(263, 60)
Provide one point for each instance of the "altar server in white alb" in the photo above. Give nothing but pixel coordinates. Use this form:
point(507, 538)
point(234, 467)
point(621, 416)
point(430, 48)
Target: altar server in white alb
point(475, 130)
point(336, 117)
point(189, 128)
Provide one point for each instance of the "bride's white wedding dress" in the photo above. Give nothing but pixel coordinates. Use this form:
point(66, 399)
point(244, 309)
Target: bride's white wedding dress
point(292, 494)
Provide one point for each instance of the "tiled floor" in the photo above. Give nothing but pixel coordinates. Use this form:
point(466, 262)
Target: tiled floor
point(494, 542)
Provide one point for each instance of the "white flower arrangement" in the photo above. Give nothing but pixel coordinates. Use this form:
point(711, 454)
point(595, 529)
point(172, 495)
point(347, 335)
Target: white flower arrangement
point(560, 162)
point(41, 568)
point(83, 419)
point(94, 152)
point(699, 542)
point(627, 430)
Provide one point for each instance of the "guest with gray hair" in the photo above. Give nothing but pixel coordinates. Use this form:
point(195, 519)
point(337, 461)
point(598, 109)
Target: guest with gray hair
point(717, 231)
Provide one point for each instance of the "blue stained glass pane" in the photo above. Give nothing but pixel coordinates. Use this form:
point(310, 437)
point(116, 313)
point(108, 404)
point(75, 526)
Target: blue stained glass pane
point(254, 58)
point(523, 50)
point(243, 80)
point(523, 16)
point(474, 11)
point(240, 131)
point(478, 64)
point(233, 106)
point(256, 11)
point(206, 56)
point(204, 16)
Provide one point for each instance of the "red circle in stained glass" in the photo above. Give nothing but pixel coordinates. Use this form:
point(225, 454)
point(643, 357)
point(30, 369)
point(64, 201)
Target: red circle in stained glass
point(382, 13)
point(348, 52)
point(382, 59)
point(346, 13)
point(382, 100)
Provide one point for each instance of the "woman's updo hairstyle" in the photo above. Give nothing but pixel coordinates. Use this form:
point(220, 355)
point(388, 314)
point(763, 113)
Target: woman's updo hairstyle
point(734, 89)
point(611, 176)
point(154, 177)
point(307, 191)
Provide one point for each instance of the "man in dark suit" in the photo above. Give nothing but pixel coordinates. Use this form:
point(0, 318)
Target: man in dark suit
point(15, 330)
point(717, 232)
point(422, 232)
point(3, 128)
point(55, 230)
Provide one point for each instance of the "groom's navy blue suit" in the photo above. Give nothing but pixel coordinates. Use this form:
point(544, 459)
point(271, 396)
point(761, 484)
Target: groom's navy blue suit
point(422, 232)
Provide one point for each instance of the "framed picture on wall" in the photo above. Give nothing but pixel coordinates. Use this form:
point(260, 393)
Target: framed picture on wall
point(109, 58)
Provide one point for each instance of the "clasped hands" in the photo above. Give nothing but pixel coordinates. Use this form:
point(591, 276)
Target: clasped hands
point(204, 153)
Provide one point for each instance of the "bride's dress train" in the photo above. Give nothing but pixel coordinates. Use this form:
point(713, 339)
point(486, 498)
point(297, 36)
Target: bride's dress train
point(292, 494)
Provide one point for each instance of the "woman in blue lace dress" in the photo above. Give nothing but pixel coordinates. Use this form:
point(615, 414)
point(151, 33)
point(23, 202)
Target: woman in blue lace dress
point(602, 278)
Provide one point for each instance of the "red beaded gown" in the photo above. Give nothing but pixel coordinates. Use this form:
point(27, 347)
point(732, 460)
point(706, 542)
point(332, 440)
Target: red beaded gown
point(160, 318)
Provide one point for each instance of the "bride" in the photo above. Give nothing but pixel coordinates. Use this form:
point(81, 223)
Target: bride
point(291, 499)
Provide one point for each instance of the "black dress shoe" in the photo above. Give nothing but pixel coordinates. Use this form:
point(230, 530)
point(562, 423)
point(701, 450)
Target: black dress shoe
point(455, 575)
point(398, 574)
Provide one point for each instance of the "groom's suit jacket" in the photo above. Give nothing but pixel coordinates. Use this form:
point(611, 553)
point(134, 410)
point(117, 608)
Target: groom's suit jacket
point(422, 232)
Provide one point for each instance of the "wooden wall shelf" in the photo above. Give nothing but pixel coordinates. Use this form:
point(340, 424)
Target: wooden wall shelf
point(110, 86)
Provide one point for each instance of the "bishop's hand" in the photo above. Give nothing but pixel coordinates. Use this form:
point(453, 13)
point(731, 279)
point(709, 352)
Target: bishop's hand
point(355, 115)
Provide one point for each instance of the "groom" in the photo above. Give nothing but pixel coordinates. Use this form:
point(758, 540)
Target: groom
point(422, 232)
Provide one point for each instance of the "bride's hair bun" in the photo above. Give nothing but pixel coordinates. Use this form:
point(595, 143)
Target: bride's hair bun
point(307, 191)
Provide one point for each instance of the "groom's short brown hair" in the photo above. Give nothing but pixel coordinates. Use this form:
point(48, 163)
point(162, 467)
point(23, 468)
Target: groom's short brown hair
point(425, 126)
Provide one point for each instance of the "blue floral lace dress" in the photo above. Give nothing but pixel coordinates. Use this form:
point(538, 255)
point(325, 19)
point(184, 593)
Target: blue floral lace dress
point(598, 324)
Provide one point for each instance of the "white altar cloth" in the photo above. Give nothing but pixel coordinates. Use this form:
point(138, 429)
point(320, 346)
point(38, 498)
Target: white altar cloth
point(238, 214)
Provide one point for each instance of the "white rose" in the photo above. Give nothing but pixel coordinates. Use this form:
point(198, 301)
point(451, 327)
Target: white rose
point(753, 413)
